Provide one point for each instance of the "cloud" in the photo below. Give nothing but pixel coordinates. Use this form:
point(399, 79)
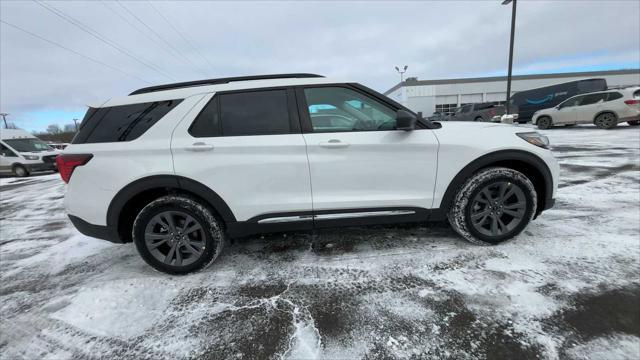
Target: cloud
point(360, 41)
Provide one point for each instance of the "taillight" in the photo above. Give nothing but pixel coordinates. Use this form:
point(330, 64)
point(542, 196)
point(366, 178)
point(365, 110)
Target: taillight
point(68, 162)
point(632, 102)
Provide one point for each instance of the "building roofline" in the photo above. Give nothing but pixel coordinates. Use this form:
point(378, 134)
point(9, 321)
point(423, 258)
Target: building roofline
point(515, 77)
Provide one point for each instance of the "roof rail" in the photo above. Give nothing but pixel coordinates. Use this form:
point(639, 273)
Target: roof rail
point(221, 81)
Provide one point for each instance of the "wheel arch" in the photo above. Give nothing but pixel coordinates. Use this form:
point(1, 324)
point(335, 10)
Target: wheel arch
point(133, 197)
point(604, 112)
point(527, 163)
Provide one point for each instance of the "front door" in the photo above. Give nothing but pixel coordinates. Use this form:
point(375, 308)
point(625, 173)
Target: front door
point(360, 164)
point(567, 111)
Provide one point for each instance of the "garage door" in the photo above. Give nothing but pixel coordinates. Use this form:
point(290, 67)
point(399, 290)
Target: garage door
point(470, 98)
point(496, 96)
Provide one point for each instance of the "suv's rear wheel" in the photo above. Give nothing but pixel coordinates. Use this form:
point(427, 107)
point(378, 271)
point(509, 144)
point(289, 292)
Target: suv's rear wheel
point(493, 206)
point(544, 122)
point(606, 121)
point(177, 235)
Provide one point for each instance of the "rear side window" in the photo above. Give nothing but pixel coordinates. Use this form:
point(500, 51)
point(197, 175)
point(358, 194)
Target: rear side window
point(121, 123)
point(244, 113)
point(593, 99)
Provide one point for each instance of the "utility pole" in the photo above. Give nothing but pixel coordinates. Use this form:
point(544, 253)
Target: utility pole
point(4, 117)
point(75, 121)
point(513, 30)
point(401, 72)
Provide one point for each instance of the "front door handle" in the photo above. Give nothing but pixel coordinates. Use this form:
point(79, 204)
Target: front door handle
point(334, 144)
point(199, 146)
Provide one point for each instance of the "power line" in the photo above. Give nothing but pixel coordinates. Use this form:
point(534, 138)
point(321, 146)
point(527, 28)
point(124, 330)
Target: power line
point(59, 13)
point(75, 52)
point(159, 37)
point(133, 25)
point(180, 33)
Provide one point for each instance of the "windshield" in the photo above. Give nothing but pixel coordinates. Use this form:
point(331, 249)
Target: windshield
point(28, 145)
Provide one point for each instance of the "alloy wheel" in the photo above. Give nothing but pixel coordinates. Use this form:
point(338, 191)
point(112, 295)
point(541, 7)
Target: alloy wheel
point(175, 238)
point(498, 208)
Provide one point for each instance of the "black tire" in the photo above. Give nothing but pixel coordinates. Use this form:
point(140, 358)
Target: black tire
point(544, 122)
point(633, 122)
point(606, 120)
point(198, 248)
point(20, 171)
point(479, 118)
point(462, 210)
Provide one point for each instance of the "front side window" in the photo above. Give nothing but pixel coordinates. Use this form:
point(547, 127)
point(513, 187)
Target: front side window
point(339, 109)
point(5, 151)
point(571, 102)
point(28, 145)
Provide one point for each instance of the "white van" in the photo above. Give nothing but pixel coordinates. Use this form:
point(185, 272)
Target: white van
point(22, 153)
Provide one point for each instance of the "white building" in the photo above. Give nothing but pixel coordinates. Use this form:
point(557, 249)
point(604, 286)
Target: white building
point(447, 94)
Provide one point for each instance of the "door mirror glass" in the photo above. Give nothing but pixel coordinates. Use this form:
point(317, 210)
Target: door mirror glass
point(405, 120)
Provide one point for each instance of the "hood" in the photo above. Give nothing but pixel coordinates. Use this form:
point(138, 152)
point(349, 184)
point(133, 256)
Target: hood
point(469, 126)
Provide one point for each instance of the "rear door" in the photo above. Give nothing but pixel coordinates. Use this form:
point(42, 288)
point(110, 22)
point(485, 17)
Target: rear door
point(247, 147)
point(360, 165)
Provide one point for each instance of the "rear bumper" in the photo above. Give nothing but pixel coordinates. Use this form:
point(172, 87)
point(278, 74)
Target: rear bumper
point(95, 231)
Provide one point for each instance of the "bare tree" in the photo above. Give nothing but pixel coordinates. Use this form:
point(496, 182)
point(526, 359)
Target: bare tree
point(70, 128)
point(54, 129)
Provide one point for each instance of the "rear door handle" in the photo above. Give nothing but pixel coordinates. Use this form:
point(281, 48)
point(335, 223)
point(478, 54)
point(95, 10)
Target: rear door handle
point(334, 144)
point(199, 146)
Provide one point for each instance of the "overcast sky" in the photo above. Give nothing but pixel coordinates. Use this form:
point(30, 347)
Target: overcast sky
point(160, 42)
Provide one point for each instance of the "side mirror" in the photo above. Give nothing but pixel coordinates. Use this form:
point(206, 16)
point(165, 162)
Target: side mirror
point(405, 120)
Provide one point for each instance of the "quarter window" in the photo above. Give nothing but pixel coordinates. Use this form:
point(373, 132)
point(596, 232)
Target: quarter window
point(615, 96)
point(338, 109)
point(121, 123)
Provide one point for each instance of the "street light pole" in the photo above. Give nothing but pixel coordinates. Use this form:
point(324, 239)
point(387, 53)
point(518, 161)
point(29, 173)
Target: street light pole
point(513, 30)
point(4, 117)
point(75, 121)
point(401, 72)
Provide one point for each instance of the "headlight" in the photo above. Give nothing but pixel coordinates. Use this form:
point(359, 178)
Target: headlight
point(30, 157)
point(535, 138)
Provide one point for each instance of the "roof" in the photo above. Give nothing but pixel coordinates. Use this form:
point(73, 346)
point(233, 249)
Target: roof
point(410, 82)
point(184, 92)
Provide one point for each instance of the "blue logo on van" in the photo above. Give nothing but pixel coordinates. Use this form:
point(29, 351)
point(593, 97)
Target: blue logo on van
point(541, 101)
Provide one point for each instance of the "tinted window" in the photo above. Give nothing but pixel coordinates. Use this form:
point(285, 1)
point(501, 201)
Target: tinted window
point(572, 102)
point(207, 124)
point(593, 99)
point(614, 96)
point(338, 109)
point(6, 151)
point(28, 145)
point(255, 113)
point(121, 123)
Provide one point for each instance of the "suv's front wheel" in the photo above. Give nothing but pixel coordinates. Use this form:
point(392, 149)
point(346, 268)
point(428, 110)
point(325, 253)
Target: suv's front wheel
point(177, 235)
point(493, 206)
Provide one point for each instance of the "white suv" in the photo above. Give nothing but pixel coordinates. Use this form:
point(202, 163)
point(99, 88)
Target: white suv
point(605, 109)
point(179, 168)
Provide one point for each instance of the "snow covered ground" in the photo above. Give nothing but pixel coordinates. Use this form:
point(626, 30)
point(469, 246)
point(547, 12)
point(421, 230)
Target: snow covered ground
point(568, 287)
